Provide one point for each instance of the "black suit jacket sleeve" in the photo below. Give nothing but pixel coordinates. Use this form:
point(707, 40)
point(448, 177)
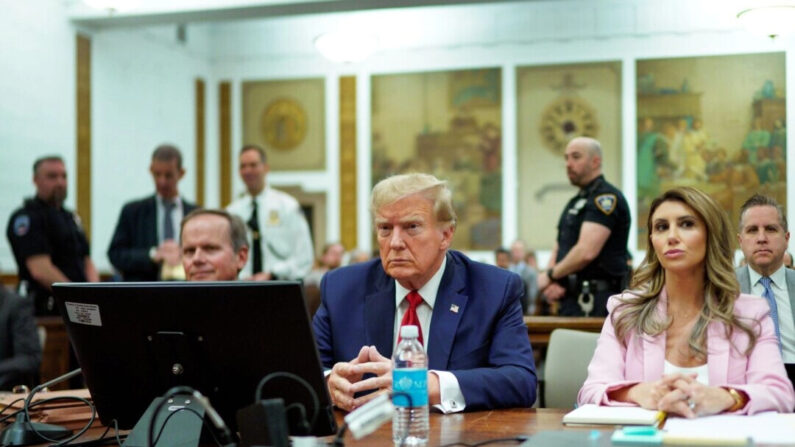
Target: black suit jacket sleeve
point(20, 354)
point(130, 245)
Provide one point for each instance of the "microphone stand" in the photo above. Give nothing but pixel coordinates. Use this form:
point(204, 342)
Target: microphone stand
point(24, 432)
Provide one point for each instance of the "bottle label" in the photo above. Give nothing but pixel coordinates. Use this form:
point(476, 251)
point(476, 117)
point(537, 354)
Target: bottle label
point(413, 381)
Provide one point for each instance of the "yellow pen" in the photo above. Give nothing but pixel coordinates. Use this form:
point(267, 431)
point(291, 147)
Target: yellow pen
point(660, 421)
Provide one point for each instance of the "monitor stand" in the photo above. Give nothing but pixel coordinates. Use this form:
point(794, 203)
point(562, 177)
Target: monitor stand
point(183, 428)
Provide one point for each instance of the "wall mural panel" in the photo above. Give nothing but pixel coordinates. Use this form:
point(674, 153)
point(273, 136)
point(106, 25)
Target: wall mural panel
point(287, 118)
point(448, 124)
point(716, 123)
point(555, 104)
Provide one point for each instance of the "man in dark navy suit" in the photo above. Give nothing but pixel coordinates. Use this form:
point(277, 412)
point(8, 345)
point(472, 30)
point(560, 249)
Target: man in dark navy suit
point(144, 246)
point(469, 314)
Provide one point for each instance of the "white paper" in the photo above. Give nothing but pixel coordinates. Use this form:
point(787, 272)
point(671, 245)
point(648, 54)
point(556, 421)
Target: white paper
point(764, 428)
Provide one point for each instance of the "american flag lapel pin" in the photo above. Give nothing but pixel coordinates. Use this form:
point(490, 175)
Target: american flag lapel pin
point(454, 308)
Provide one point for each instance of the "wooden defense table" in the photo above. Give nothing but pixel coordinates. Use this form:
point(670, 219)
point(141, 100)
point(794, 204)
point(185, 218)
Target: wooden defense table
point(474, 426)
point(444, 429)
point(467, 428)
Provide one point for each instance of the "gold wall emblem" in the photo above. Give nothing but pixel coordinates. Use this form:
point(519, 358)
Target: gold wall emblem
point(284, 124)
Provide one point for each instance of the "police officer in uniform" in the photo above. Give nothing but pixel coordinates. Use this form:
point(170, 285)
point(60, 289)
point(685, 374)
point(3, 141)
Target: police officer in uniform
point(280, 245)
point(47, 239)
point(589, 262)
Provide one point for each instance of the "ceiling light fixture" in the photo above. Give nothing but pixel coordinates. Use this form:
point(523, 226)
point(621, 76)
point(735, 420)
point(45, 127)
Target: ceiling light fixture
point(346, 46)
point(112, 5)
point(769, 19)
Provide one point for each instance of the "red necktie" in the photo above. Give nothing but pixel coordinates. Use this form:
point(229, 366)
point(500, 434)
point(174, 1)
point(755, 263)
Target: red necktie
point(410, 318)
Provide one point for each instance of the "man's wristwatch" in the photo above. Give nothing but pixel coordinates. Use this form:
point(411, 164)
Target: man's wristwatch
point(549, 274)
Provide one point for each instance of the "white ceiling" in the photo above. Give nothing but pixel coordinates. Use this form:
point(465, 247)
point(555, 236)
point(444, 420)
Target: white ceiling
point(246, 28)
point(155, 12)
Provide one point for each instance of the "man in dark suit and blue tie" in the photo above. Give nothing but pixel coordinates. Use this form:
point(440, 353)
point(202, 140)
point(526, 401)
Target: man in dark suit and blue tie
point(145, 240)
point(764, 237)
point(469, 313)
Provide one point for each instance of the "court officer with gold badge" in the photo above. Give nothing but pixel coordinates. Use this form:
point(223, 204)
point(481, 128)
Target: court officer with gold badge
point(280, 244)
point(589, 261)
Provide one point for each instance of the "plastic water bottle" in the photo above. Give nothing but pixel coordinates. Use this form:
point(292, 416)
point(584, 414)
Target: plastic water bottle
point(410, 375)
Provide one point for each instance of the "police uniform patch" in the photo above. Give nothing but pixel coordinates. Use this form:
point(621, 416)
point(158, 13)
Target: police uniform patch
point(606, 203)
point(21, 225)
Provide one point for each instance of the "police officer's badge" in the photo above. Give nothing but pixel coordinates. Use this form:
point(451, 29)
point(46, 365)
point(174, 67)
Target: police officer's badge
point(273, 218)
point(21, 225)
point(606, 203)
point(578, 205)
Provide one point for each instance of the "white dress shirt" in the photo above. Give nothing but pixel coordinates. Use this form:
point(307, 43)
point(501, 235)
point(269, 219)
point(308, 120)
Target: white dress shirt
point(702, 372)
point(451, 397)
point(287, 249)
point(785, 323)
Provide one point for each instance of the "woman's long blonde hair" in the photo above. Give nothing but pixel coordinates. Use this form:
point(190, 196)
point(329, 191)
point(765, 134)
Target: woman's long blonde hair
point(637, 310)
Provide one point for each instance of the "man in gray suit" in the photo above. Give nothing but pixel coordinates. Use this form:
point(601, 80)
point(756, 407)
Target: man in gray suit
point(528, 273)
point(764, 237)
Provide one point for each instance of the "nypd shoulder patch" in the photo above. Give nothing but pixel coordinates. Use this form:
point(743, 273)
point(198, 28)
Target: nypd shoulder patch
point(606, 203)
point(22, 225)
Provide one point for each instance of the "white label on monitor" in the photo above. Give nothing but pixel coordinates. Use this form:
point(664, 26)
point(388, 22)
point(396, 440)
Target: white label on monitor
point(83, 313)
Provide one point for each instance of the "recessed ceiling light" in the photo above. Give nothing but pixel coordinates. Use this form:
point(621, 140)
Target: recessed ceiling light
point(346, 46)
point(112, 5)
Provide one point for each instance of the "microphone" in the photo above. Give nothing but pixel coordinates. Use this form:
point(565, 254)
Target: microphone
point(367, 418)
point(224, 434)
point(24, 432)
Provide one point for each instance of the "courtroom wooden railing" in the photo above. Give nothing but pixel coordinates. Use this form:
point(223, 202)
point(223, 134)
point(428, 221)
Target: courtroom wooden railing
point(539, 328)
point(55, 355)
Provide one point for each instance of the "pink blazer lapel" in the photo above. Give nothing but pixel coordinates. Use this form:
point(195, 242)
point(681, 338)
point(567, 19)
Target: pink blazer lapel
point(717, 354)
point(653, 357)
point(654, 347)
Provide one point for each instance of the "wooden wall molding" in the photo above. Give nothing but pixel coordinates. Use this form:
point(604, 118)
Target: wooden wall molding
point(83, 125)
point(225, 143)
point(200, 141)
point(348, 228)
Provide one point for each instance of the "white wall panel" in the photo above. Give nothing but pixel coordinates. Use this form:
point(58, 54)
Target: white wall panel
point(142, 96)
point(37, 111)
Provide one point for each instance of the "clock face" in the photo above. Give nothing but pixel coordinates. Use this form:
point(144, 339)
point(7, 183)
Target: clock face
point(283, 124)
point(566, 118)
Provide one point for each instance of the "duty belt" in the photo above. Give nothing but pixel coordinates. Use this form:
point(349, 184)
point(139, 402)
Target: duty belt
point(587, 288)
point(600, 285)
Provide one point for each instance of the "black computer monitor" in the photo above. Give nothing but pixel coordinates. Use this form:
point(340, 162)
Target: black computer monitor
point(134, 341)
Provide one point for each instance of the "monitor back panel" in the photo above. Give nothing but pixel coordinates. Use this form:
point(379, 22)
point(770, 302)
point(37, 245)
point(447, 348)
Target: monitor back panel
point(136, 340)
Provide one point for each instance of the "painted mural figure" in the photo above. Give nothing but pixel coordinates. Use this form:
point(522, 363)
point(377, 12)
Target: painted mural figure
point(756, 138)
point(649, 146)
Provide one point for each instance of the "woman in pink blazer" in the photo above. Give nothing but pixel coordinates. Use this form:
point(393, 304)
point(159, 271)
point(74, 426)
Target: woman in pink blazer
point(684, 340)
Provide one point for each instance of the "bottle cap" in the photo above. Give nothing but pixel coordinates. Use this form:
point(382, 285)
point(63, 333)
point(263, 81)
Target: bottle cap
point(409, 332)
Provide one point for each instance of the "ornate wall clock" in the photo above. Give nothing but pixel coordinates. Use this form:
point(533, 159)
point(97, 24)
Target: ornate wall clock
point(565, 118)
point(284, 124)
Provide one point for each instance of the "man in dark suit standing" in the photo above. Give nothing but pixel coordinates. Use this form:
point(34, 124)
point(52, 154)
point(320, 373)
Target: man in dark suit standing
point(469, 313)
point(144, 246)
point(764, 237)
